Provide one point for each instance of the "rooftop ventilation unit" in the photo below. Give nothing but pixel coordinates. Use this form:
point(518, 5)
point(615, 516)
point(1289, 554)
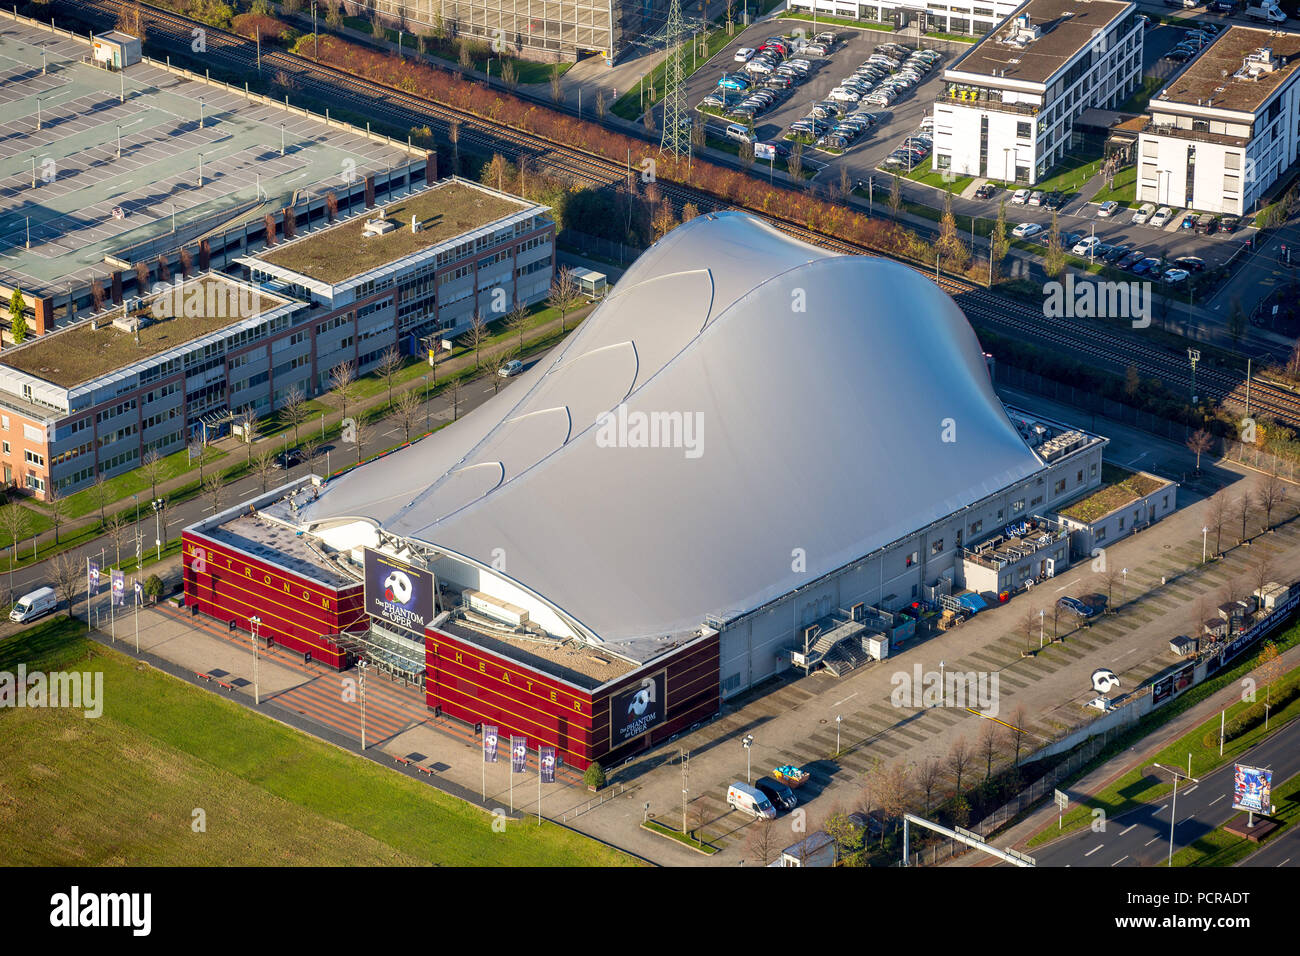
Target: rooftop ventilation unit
point(377, 227)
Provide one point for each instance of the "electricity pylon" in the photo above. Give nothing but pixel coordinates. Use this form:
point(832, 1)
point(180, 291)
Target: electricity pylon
point(676, 136)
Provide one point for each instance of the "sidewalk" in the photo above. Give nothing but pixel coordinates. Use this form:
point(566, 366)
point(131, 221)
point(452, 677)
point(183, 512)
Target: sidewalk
point(1019, 834)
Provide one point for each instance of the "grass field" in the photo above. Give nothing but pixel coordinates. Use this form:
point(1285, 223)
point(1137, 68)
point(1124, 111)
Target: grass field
point(124, 789)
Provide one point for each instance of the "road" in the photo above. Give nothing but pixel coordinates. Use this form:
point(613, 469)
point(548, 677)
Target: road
point(1141, 836)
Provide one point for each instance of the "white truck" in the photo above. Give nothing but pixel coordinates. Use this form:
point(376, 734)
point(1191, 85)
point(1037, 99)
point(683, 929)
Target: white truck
point(33, 605)
point(1266, 10)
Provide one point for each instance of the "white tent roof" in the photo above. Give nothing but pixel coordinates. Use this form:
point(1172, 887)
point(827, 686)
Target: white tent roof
point(821, 383)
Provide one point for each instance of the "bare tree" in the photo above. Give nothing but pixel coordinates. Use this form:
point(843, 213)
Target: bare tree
point(1031, 627)
point(214, 491)
point(15, 520)
point(1262, 572)
point(763, 840)
point(1018, 729)
point(1242, 507)
point(496, 367)
point(1272, 492)
point(565, 294)
point(69, 574)
point(116, 529)
point(407, 408)
point(517, 322)
point(99, 494)
point(894, 793)
point(294, 409)
point(959, 759)
point(252, 429)
point(343, 383)
point(57, 506)
point(263, 466)
point(310, 450)
point(477, 334)
point(390, 363)
point(361, 434)
point(988, 746)
point(1199, 443)
point(1216, 516)
point(1109, 578)
point(151, 466)
point(455, 398)
point(928, 776)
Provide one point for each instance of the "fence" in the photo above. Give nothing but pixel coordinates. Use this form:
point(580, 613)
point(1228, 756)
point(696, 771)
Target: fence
point(607, 249)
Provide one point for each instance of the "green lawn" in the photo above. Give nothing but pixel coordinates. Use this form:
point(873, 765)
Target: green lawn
point(928, 176)
point(837, 21)
point(1221, 848)
point(124, 789)
point(1148, 88)
point(952, 37)
point(1124, 191)
point(1068, 176)
point(121, 487)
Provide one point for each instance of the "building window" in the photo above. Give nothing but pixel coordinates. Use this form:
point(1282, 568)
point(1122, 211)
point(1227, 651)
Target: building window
point(1101, 534)
point(1018, 506)
point(6, 447)
point(977, 526)
point(1058, 487)
point(937, 547)
point(33, 458)
point(1121, 523)
point(912, 559)
point(1024, 130)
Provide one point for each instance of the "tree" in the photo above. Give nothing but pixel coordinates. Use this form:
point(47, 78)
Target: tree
point(116, 530)
point(310, 449)
point(565, 294)
point(496, 367)
point(214, 491)
point(959, 758)
point(949, 245)
point(988, 746)
point(1271, 492)
point(1132, 384)
point(263, 465)
point(1236, 322)
point(477, 334)
point(763, 840)
point(252, 428)
point(390, 363)
point(153, 588)
point(1109, 577)
point(99, 494)
point(895, 196)
point(17, 318)
point(1054, 260)
point(746, 156)
point(57, 506)
point(1270, 669)
point(1216, 517)
point(517, 322)
point(151, 466)
point(557, 91)
point(794, 162)
point(1000, 242)
point(1030, 627)
point(847, 835)
point(1242, 507)
point(294, 410)
point(594, 776)
point(1199, 443)
point(453, 134)
point(1261, 573)
point(343, 383)
point(407, 408)
point(333, 16)
point(1018, 730)
point(15, 520)
point(361, 433)
point(894, 793)
point(69, 572)
point(455, 398)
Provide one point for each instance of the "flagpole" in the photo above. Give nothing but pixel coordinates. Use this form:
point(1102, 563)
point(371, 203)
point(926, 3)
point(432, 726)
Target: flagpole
point(539, 785)
point(483, 762)
point(137, 623)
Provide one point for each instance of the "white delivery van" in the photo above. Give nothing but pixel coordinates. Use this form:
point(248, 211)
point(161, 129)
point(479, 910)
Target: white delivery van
point(31, 606)
point(739, 133)
point(746, 798)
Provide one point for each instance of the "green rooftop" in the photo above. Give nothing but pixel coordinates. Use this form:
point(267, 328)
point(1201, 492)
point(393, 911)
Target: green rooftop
point(80, 354)
point(443, 212)
point(1123, 487)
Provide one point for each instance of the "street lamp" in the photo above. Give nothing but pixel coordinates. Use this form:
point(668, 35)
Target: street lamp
point(748, 741)
point(1194, 356)
point(1124, 571)
point(1042, 617)
point(1205, 536)
point(943, 688)
point(202, 111)
point(1173, 807)
point(837, 733)
point(255, 624)
point(361, 685)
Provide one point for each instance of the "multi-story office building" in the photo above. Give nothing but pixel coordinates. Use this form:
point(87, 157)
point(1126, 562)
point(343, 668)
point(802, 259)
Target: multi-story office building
point(1223, 130)
point(1008, 105)
point(550, 30)
point(972, 17)
point(93, 399)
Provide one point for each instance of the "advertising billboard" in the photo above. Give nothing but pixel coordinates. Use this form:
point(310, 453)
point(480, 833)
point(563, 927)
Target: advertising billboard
point(548, 764)
point(1252, 789)
point(637, 709)
point(397, 593)
point(489, 744)
point(1162, 690)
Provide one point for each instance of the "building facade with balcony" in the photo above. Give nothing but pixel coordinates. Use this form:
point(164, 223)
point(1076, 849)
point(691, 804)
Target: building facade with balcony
point(1219, 135)
point(1008, 105)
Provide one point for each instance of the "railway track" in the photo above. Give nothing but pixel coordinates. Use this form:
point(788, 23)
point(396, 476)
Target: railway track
point(406, 111)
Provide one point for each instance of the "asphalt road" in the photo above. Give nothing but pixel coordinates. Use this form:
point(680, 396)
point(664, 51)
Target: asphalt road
point(1141, 836)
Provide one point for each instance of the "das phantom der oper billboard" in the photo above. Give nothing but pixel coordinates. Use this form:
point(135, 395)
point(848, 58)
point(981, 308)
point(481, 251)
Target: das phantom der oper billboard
point(637, 709)
point(397, 593)
point(1252, 789)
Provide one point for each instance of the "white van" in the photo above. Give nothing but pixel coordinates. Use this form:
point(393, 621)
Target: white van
point(36, 604)
point(738, 133)
point(746, 798)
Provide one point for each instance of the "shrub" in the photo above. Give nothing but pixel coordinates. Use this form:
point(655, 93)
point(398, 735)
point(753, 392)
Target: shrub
point(153, 587)
point(595, 775)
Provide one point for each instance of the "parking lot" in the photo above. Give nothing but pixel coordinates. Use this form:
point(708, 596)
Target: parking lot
point(852, 48)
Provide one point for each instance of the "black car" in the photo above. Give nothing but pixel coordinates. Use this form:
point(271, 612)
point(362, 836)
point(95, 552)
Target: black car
point(1190, 263)
point(1178, 55)
point(1077, 607)
point(1229, 224)
point(781, 796)
point(1054, 200)
point(1115, 253)
point(290, 459)
point(1130, 259)
point(986, 191)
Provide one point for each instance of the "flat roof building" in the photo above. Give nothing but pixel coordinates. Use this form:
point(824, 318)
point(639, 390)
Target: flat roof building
point(1223, 130)
point(1008, 105)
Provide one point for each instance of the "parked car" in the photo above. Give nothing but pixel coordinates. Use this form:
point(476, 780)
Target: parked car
point(986, 191)
point(1162, 217)
point(1054, 199)
point(1127, 260)
point(511, 368)
point(1229, 224)
point(1188, 221)
point(1149, 266)
point(1117, 252)
point(1036, 198)
point(1020, 197)
point(1107, 209)
point(1173, 276)
point(34, 604)
point(778, 793)
point(1206, 224)
point(749, 800)
point(744, 54)
point(1026, 230)
point(1087, 246)
point(1145, 212)
point(290, 459)
point(1190, 263)
point(1078, 607)
point(740, 134)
